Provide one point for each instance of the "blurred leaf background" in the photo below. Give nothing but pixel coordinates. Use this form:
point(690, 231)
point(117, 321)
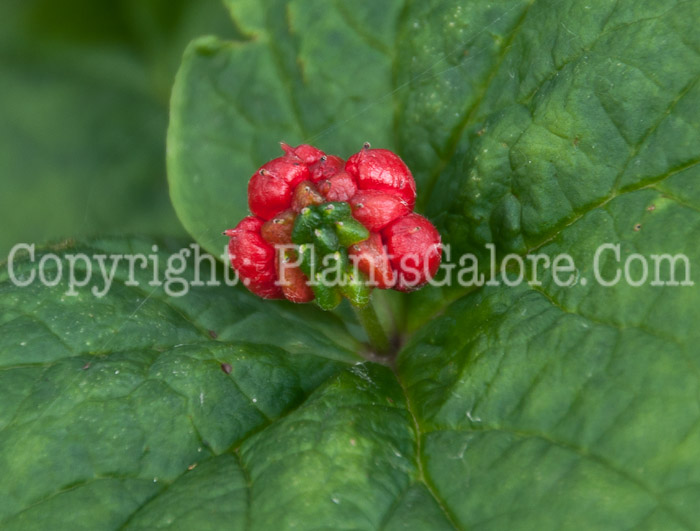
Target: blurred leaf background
point(84, 90)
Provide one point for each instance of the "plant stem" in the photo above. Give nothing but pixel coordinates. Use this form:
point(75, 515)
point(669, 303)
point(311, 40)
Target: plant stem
point(375, 332)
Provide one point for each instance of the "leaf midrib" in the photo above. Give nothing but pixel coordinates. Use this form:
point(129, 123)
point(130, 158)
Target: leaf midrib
point(422, 474)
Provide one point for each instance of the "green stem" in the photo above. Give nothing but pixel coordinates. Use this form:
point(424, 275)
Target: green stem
point(375, 332)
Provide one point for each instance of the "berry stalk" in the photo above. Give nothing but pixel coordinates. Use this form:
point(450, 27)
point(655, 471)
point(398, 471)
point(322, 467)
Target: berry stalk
point(367, 316)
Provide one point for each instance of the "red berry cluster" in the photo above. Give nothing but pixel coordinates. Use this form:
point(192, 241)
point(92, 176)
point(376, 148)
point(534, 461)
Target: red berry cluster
point(306, 192)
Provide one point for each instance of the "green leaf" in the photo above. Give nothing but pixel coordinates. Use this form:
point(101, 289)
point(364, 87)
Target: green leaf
point(109, 400)
point(556, 112)
point(233, 102)
point(565, 120)
point(538, 127)
point(569, 406)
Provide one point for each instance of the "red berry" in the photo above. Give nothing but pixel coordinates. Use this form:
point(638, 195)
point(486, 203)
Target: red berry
point(278, 230)
point(306, 194)
point(303, 153)
point(340, 187)
point(271, 188)
point(293, 280)
point(371, 258)
point(380, 169)
point(253, 258)
point(375, 209)
point(326, 167)
point(414, 250)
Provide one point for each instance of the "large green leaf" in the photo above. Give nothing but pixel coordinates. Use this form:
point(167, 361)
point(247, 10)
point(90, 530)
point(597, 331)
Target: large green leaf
point(580, 104)
point(535, 126)
point(574, 407)
point(310, 72)
point(107, 401)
